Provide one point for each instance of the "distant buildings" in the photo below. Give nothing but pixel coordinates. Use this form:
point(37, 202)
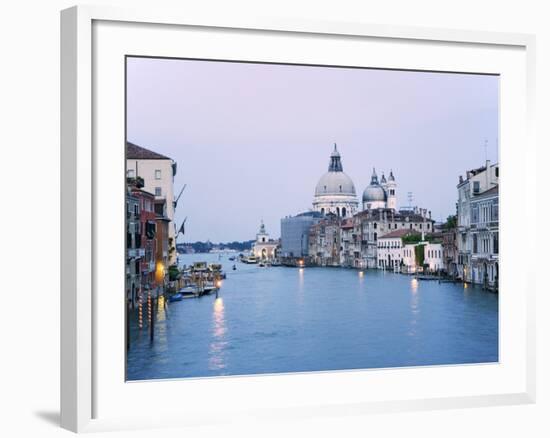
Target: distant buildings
point(264, 248)
point(335, 233)
point(325, 241)
point(380, 236)
point(295, 234)
point(390, 250)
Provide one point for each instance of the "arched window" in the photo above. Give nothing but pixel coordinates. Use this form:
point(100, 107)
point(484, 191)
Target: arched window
point(322, 211)
point(338, 211)
point(343, 211)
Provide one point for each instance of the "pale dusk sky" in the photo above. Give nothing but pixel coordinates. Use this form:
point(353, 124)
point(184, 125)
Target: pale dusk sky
point(252, 140)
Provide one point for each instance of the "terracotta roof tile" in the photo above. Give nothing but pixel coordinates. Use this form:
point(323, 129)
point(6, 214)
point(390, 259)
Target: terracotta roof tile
point(135, 152)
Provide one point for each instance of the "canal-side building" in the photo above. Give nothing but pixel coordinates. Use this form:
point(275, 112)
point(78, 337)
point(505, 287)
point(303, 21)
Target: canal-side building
point(477, 182)
point(433, 257)
point(379, 222)
point(347, 243)
point(450, 252)
point(390, 250)
point(264, 248)
point(157, 172)
point(335, 191)
point(484, 234)
point(133, 252)
point(295, 235)
point(146, 238)
point(162, 252)
point(324, 242)
point(423, 256)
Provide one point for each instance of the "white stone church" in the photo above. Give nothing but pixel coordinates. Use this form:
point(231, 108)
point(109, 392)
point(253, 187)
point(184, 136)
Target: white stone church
point(335, 191)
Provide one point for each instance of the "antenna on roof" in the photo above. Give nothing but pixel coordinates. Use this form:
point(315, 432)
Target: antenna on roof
point(178, 197)
point(486, 149)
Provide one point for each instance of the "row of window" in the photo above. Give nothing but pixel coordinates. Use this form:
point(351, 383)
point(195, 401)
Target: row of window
point(483, 244)
point(338, 212)
point(416, 225)
point(434, 253)
point(390, 244)
point(132, 173)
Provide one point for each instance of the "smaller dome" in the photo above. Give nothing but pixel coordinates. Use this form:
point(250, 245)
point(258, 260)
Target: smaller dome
point(374, 193)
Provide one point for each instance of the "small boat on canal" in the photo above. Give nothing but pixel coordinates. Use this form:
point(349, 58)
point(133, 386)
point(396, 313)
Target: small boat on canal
point(176, 297)
point(189, 291)
point(251, 260)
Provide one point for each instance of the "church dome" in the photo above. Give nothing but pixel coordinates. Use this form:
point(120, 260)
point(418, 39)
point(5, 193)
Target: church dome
point(374, 191)
point(335, 181)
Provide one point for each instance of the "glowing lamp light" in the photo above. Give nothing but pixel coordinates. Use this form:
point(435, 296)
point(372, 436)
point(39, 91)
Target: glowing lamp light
point(218, 284)
point(159, 272)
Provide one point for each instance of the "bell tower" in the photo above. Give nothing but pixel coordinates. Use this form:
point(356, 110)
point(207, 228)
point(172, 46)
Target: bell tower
point(391, 190)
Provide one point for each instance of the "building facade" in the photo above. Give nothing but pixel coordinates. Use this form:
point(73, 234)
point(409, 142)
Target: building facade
point(390, 250)
point(146, 239)
point(264, 248)
point(295, 235)
point(484, 234)
point(325, 242)
point(477, 183)
point(157, 172)
point(133, 252)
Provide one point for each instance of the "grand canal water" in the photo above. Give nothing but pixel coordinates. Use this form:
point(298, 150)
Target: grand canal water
point(277, 319)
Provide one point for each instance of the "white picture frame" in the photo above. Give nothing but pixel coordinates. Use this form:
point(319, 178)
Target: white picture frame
point(87, 404)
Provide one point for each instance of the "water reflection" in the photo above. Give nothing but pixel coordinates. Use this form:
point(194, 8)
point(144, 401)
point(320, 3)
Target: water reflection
point(161, 309)
point(300, 296)
point(270, 320)
point(361, 275)
point(219, 343)
point(414, 285)
point(414, 307)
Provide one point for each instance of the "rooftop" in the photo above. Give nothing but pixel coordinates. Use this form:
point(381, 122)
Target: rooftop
point(135, 152)
point(396, 234)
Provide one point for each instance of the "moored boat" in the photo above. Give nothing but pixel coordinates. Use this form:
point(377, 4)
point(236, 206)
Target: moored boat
point(250, 260)
point(176, 297)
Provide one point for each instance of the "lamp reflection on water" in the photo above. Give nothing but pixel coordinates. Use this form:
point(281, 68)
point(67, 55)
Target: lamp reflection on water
point(217, 347)
point(415, 310)
point(161, 313)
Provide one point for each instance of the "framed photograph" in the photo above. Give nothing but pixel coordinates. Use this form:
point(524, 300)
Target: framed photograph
point(284, 218)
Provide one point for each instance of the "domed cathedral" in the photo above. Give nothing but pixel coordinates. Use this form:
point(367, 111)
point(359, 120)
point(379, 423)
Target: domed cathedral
point(335, 192)
point(380, 194)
